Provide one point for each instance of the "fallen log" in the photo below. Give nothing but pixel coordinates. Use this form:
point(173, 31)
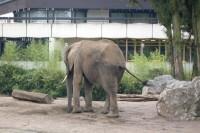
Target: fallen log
point(136, 98)
point(32, 96)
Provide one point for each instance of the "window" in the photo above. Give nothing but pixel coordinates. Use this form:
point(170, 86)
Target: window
point(118, 16)
point(79, 15)
point(63, 14)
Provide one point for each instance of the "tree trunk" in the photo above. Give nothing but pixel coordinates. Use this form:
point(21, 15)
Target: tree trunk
point(170, 53)
point(196, 30)
point(179, 74)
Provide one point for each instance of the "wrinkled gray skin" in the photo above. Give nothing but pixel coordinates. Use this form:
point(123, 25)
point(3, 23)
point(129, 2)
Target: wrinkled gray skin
point(96, 62)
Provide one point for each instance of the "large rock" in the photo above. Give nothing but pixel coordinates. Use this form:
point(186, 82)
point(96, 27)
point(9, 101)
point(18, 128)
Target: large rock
point(157, 85)
point(181, 100)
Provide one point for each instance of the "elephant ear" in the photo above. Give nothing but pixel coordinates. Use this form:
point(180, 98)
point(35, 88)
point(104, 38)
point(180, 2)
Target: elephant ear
point(72, 55)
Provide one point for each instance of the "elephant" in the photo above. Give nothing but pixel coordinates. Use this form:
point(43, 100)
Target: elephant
point(95, 62)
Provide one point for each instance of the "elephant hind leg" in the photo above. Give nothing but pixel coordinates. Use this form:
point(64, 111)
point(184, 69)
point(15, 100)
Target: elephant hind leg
point(111, 89)
point(76, 89)
point(106, 107)
point(88, 95)
point(113, 106)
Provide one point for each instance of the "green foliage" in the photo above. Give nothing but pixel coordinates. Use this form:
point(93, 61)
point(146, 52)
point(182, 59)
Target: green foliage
point(37, 51)
point(129, 85)
point(9, 76)
point(149, 67)
point(98, 93)
point(10, 52)
point(41, 80)
point(34, 52)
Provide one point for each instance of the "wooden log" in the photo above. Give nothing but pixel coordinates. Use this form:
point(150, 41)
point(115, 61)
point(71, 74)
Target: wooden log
point(32, 96)
point(136, 96)
point(137, 99)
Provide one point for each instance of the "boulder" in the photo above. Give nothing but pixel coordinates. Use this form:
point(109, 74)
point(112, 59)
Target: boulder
point(180, 100)
point(157, 85)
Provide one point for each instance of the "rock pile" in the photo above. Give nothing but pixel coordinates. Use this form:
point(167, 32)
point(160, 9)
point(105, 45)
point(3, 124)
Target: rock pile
point(179, 100)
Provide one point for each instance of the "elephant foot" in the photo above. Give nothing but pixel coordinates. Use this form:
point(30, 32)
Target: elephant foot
point(77, 110)
point(105, 111)
point(88, 109)
point(112, 115)
point(69, 109)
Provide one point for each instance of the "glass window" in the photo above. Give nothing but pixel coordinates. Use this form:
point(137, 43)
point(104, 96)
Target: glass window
point(79, 15)
point(34, 13)
point(62, 15)
point(118, 16)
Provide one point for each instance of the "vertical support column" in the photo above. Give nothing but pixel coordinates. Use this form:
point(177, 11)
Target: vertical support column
point(184, 53)
point(190, 52)
point(126, 49)
point(166, 49)
point(141, 48)
point(135, 47)
point(1, 44)
point(51, 48)
point(159, 46)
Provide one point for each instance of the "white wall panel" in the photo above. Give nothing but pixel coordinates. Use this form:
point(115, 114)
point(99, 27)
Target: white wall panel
point(89, 30)
point(39, 30)
point(159, 31)
point(64, 30)
point(84, 30)
point(139, 30)
point(1, 30)
point(14, 30)
point(114, 30)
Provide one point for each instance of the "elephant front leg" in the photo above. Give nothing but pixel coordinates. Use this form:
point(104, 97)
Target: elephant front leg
point(76, 91)
point(69, 92)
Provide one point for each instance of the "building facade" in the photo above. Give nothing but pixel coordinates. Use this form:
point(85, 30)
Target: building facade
point(99, 12)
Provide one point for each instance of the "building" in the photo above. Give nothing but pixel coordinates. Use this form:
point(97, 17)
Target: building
point(136, 27)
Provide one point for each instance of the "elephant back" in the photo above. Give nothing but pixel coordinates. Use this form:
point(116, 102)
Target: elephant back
point(113, 55)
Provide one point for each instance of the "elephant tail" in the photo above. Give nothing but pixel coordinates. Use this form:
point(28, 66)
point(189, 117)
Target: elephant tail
point(143, 82)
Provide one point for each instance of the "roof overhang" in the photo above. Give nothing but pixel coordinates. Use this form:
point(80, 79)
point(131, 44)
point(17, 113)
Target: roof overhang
point(13, 5)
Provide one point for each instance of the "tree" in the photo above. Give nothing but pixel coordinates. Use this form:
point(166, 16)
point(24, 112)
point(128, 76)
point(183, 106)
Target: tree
point(169, 13)
point(177, 41)
point(195, 5)
point(165, 18)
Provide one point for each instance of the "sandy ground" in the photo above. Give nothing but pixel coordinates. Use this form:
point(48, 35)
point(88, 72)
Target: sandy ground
point(135, 117)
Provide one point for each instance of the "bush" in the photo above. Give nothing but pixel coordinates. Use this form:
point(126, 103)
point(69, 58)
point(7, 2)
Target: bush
point(41, 80)
point(129, 85)
point(33, 52)
point(9, 76)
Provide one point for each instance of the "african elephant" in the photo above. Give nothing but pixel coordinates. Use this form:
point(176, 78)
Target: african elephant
point(96, 62)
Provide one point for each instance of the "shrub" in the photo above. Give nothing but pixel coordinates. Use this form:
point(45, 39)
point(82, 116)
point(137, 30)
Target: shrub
point(9, 76)
point(129, 85)
point(41, 80)
point(33, 52)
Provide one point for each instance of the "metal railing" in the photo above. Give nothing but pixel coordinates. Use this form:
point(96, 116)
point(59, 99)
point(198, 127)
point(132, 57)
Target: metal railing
point(80, 19)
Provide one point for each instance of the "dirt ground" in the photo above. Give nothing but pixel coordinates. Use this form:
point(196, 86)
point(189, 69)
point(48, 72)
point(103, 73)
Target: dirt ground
point(135, 117)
